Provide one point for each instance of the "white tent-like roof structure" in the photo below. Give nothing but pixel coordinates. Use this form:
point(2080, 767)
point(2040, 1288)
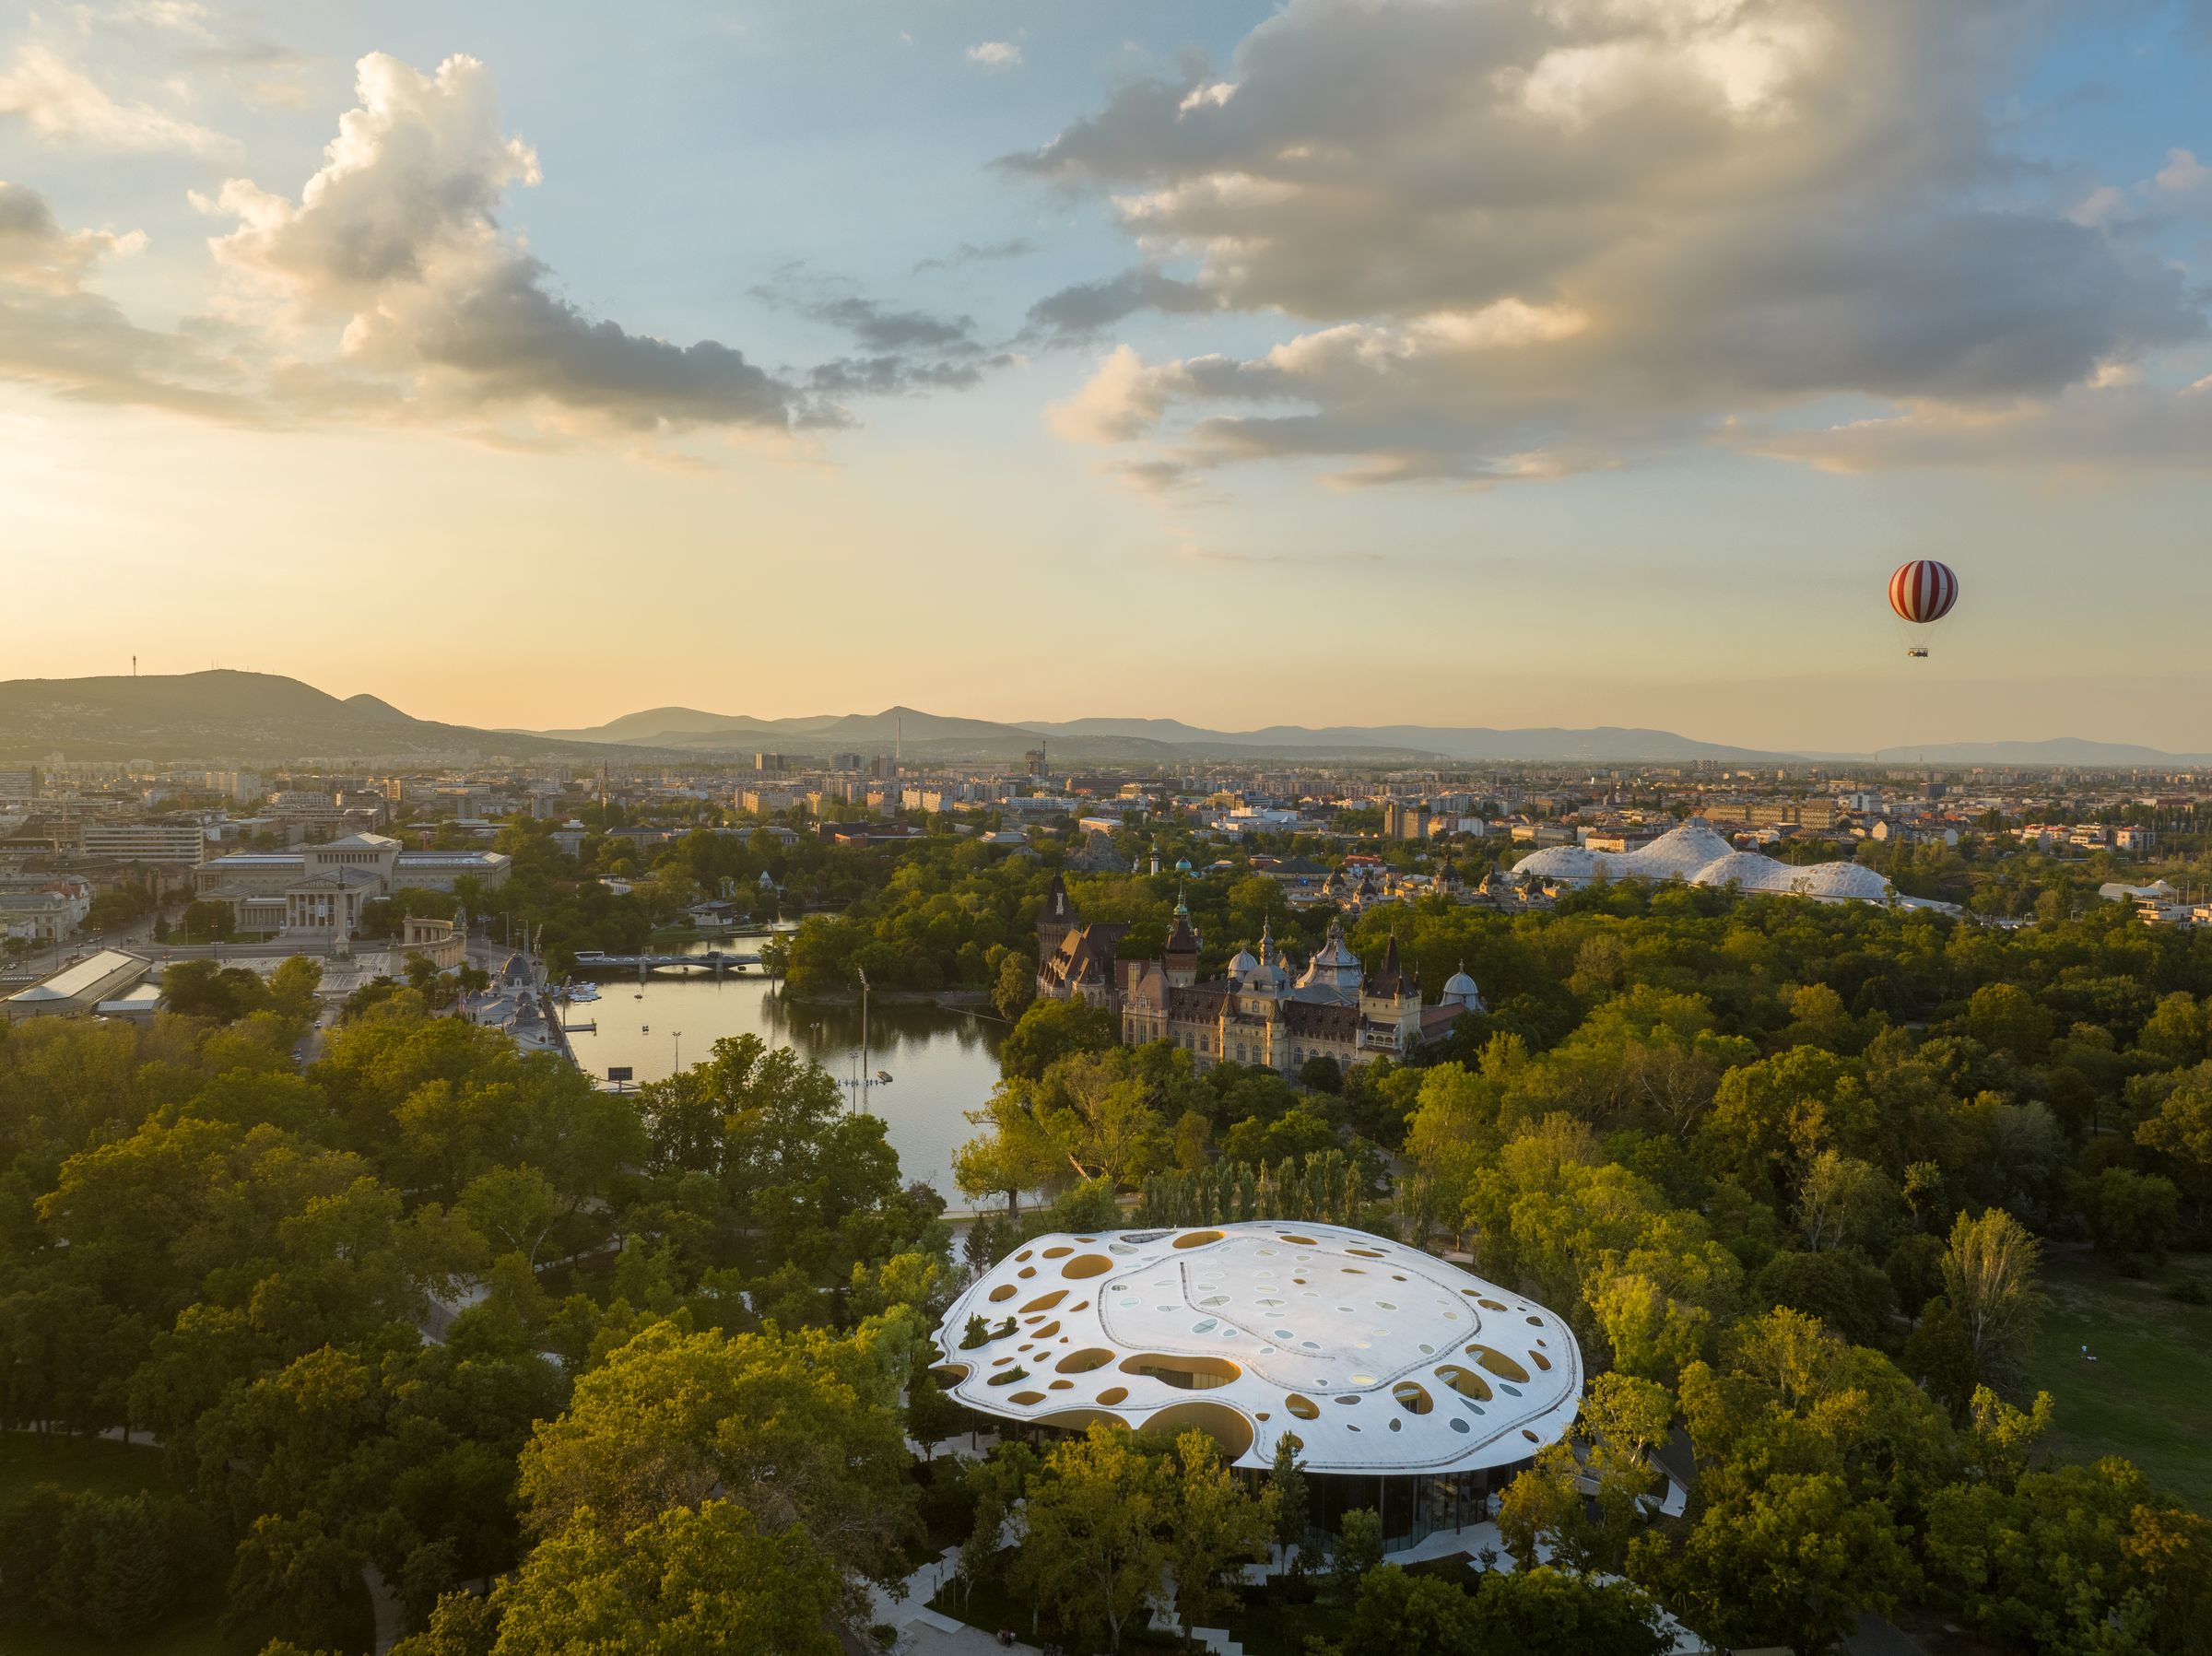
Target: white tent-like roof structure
point(1694, 853)
point(1380, 1358)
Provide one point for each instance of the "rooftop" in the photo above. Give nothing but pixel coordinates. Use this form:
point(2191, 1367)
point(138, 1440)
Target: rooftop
point(1380, 1358)
point(92, 972)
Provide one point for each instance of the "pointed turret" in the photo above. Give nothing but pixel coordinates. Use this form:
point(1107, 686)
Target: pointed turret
point(1178, 958)
point(1392, 981)
point(1057, 919)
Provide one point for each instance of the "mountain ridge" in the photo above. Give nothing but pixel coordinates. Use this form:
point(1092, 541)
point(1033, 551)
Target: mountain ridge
point(224, 714)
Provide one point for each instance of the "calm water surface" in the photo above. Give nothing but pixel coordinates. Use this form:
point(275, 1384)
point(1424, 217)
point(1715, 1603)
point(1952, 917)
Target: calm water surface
point(941, 1063)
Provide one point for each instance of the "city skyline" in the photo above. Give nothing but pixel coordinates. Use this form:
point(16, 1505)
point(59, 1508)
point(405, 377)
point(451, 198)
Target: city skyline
point(698, 364)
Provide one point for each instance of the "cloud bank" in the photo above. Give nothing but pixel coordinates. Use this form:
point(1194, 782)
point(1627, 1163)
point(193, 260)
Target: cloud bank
point(396, 245)
point(1525, 241)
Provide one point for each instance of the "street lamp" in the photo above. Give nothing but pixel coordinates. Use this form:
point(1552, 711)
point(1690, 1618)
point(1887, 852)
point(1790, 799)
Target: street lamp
point(862, 1080)
point(680, 1051)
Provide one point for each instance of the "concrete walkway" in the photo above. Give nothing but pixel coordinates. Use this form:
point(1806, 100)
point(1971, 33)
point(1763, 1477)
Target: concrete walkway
point(925, 1632)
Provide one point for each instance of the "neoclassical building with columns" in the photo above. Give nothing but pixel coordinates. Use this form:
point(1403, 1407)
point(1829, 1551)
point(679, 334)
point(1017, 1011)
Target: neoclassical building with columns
point(320, 890)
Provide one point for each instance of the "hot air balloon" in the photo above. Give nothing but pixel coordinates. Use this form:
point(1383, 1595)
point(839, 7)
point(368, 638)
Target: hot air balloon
point(1922, 591)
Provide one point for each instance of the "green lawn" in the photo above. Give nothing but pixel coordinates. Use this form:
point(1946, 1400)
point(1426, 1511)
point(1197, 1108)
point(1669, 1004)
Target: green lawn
point(108, 1468)
point(98, 1465)
point(2147, 1396)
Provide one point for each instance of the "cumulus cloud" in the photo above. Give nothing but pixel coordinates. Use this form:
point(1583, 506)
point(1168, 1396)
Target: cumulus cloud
point(57, 333)
point(394, 247)
point(1524, 241)
point(61, 104)
point(995, 54)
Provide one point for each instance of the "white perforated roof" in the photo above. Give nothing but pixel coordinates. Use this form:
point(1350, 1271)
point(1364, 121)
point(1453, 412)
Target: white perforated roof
point(1379, 1358)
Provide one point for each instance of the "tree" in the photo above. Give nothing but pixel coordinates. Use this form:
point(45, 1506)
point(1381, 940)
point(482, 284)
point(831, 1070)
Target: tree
point(514, 1209)
point(462, 1623)
point(293, 985)
point(1215, 1529)
point(1293, 1504)
point(2133, 1215)
point(2005, 1018)
point(1015, 1154)
point(293, 1573)
point(2181, 1130)
point(686, 1580)
point(1016, 986)
point(998, 1485)
point(799, 1428)
point(1988, 1280)
point(931, 1414)
point(1843, 1200)
point(2079, 1560)
point(1359, 1549)
point(1321, 1074)
point(1540, 1512)
point(1788, 1559)
point(1096, 1531)
point(207, 919)
point(1532, 1611)
point(1050, 1030)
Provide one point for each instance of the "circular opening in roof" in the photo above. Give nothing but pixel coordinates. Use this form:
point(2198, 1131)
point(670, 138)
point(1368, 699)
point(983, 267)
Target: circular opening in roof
point(1303, 1407)
point(1114, 1395)
point(1196, 1238)
point(1224, 1425)
point(1043, 1302)
point(1184, 1373)
point(1087, 1264)
point(1465, 1382)
point(1084, 1361)
point(1498, 1363)
point(1060, 1252)
point(1005, 1290)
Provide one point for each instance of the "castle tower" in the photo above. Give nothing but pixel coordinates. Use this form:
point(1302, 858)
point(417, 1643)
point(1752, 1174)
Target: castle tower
point(1180, 957)
point(1056, 920)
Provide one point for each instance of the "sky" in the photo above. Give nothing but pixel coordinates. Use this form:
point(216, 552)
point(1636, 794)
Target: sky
point(1499, 362)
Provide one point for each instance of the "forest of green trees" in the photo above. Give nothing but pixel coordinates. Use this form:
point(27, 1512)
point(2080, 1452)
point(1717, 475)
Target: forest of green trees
point(1789, 1169)
point(563, 1368)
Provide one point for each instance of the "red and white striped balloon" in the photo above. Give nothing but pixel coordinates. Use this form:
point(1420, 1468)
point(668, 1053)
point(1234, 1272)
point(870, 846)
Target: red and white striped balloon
point(1924, 590)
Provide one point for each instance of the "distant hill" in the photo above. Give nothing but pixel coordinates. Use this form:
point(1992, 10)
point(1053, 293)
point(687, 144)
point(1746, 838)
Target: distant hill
point(655, 723)
point(2058, 750)
point(261, 718)
point(1139, 741)
point(249, 718)
point(1466, 743)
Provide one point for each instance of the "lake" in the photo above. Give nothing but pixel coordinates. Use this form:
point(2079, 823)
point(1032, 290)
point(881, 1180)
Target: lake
point(941, 1063)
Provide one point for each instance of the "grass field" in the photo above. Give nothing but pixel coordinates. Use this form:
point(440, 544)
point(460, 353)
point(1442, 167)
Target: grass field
point(103, 1467)
point(2149, 1394)
point(97, 1465)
